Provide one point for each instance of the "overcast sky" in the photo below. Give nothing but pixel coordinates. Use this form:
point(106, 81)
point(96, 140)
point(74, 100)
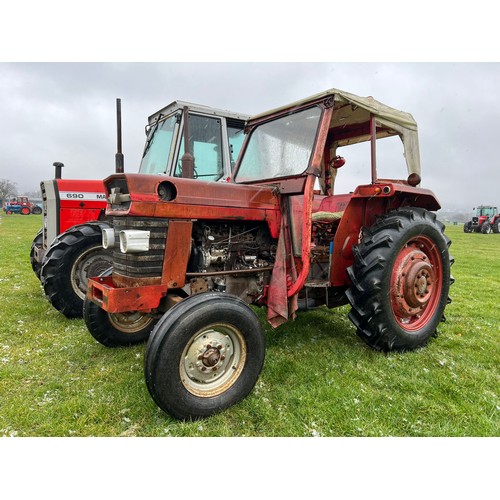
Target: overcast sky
point(66, 112)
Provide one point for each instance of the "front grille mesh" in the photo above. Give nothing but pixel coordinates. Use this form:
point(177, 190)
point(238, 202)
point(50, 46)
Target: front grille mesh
point(145, 264)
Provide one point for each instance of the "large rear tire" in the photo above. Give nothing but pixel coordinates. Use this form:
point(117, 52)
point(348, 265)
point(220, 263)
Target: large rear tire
point(204, 355)
point(400, 280)
point(73, 257)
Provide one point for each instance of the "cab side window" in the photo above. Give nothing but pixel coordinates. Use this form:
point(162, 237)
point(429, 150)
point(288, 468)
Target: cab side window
point(205, 144)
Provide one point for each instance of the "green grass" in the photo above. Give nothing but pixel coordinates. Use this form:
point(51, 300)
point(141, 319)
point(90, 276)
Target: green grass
point(319, 378)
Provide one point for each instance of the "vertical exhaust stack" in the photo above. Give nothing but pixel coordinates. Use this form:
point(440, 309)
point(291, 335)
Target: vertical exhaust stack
point(59, 166)
point(187, 160)
point(119, 155)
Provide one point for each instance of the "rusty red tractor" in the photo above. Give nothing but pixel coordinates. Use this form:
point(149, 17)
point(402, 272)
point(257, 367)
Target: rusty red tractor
point(190, 257)
point(21, 205)
point(67, 250)
point(485, 220)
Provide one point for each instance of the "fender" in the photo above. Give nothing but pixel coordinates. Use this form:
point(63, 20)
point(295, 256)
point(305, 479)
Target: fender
point(366, 203)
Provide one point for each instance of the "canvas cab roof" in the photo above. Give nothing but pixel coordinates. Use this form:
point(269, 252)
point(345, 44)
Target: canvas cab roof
point(350, 122)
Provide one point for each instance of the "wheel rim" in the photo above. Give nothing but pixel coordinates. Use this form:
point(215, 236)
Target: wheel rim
point(90, 263)
point(212, 360)
point(130, 322)
point(416, 283)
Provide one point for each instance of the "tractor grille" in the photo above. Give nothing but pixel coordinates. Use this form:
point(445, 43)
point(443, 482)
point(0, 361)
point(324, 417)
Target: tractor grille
point(475, 220)
point(145, 264)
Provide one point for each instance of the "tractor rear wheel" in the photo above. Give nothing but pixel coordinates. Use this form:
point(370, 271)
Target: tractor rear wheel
point(486, 228)
point(496, 226)
point(25, 211)
point(75, 255)
point(204, 355)
point(400, 280)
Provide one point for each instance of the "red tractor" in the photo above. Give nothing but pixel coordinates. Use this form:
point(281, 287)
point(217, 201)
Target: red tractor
point(21, 205)
point(68, 248)
point(189, 257)
point(484, 221)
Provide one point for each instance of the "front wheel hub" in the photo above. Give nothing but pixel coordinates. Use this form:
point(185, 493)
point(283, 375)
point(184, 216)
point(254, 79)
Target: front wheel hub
point(212, 360)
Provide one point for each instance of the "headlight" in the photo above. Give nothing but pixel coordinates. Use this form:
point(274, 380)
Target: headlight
point(134, 241)
point(108, 238)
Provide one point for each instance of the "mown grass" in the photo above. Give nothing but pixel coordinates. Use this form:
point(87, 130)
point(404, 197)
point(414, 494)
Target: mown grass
point(319, 378)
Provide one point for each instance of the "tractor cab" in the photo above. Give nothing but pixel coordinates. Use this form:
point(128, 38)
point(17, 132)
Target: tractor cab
point(485, 212)
point(214, 141)
point(296, 149)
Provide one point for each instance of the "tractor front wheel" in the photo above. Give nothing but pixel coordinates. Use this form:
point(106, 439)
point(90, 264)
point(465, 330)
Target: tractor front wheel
point(36, 243)
point(400, 280)
point(204, 355)
point(116, 330)
point(496, 226)
point(486, 228)
point(75, 256)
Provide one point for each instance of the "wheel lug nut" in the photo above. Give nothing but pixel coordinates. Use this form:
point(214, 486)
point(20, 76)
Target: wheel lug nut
point(219, 347)
point(203, 369)
point(214, 369)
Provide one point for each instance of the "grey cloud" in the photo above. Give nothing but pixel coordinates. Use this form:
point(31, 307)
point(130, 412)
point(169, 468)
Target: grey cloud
point(66, 112)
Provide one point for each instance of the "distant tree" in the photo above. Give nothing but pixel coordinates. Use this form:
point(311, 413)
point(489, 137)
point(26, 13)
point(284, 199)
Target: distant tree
point(7, 188)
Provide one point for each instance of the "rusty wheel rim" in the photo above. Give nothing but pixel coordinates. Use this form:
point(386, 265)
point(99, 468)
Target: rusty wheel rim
point(129, 322)
point(416, 283)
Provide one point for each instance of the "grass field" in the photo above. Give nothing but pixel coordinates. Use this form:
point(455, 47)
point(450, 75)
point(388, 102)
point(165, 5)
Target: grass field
point(319, 378)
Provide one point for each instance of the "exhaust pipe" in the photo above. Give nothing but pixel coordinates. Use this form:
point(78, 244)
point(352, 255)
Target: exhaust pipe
point(59, 167)
point(119, 156)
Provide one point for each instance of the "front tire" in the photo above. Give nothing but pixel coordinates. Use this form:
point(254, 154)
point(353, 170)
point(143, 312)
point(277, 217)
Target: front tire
point(486, 228)
point(468, 227)
point(400, 280)
point(117, 330)
point(204, 355)
point(37, 243)
point(75, 256)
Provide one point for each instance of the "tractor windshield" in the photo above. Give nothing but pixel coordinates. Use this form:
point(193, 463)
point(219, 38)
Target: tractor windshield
point(158, 147)
point(488, 211)
point(280, 147)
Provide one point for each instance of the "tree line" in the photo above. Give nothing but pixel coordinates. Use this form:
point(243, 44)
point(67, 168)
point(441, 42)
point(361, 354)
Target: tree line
point(8, 189)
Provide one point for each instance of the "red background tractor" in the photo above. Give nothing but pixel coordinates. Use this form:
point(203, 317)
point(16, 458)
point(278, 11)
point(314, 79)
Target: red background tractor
point(485, 221)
